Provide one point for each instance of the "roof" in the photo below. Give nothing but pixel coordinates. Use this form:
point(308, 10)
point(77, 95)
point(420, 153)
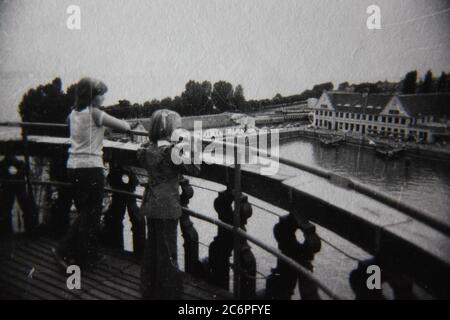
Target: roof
point(359, 102)
point(437, 104)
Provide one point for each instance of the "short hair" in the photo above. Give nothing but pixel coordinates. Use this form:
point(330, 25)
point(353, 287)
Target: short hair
point(86, 90)
point(162, 124)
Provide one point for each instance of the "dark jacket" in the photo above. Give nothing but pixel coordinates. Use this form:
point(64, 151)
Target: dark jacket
point(161, 196)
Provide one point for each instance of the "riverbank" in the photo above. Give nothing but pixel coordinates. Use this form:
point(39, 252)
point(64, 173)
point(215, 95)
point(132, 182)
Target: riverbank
point(441, 153)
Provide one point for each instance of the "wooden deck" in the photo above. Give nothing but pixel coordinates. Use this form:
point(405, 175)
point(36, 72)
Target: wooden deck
point(28, 271)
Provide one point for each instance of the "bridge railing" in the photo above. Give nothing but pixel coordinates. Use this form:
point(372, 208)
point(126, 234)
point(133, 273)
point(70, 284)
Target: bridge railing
point(295, 259)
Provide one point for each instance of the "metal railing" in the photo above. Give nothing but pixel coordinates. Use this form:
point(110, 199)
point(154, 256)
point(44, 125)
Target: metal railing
point(238, 233)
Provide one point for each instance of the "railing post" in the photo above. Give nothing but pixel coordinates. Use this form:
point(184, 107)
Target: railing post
point(221, 247)
point(401, 285)
point(7, 194)
point(60, 209)
point(136, 218)
point(122, 179)
point(31, 216)
point(190, 235)
point(358, 282)
point(13, 169)
point(247, 258)
point(282, 281)
point(237, 223)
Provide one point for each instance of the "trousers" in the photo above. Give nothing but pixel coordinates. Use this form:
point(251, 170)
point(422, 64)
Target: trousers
point(80, 243)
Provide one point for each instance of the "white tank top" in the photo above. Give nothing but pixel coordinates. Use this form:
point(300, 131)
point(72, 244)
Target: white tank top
point(86, 137)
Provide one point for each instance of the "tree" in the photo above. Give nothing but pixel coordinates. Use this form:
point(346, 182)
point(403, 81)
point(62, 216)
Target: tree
point(278, 98)
point(427, 85)
point(222, 96)
point(239, 98)
point(46, 103)
point(410, 83)
point(443, 84)
point(196, 98)
point(343, 86)
point(124, 103)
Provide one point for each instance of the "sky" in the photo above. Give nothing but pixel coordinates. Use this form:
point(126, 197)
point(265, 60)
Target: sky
point(149, 49)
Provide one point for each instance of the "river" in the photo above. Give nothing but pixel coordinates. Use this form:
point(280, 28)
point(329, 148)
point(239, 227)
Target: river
point(422, 183)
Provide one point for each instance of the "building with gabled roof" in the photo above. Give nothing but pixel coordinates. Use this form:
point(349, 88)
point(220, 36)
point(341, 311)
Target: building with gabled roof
point(422, 117)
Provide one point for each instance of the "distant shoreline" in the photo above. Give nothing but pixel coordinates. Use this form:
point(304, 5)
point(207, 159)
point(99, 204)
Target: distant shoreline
point(417, 151)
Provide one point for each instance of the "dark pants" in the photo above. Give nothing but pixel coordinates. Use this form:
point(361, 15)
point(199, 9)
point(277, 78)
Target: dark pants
point(160, 277)
point(80, 244)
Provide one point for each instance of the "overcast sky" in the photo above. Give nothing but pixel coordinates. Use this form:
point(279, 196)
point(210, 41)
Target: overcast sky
point(145, 49)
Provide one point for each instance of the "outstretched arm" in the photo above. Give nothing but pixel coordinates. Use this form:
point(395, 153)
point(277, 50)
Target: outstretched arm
point(102, 118)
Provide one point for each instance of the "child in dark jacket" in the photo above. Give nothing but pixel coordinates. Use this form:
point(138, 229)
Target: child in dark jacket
point(160, 277)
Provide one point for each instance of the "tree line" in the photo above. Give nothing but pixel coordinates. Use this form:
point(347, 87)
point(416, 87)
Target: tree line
point(50, 103)
point(409, 85)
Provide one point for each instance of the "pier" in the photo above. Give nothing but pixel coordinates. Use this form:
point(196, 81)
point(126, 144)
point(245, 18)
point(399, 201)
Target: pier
point(392, 232)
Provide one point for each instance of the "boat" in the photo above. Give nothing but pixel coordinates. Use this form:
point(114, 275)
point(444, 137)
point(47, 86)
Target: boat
point(389, 152)
point(331, 141)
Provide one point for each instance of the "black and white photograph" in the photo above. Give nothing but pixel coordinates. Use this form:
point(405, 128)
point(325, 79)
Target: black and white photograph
point(222, 151)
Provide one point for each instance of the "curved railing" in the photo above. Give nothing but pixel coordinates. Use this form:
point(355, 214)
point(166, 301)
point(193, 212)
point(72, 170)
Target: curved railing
point(391, 249)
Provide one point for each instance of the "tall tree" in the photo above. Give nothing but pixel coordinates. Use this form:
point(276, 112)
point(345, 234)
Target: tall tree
point(427, 85)
point(46, 103)
point(443, 84)
point(410, 83)
point(196, 97)
point(222, 96)
point(239, 98)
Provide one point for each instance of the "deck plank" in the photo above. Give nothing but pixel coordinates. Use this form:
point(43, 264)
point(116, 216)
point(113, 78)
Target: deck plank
point(116, 277)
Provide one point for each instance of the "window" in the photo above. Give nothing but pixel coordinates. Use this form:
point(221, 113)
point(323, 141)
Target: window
point(357, 116)
point(403, 121)
point(389, 119)
point(353, 116)
point(317, 112)
point(364, 117)
point(346, 126)
point(321, 113)
point(370, 118)
point(357, 127)
point(396, 120)
point(383, 119)
point(346, 115)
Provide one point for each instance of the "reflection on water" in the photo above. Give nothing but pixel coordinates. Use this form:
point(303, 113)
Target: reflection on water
point(421, 183)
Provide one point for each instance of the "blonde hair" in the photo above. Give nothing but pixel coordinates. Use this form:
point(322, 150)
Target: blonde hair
point(162, 124)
